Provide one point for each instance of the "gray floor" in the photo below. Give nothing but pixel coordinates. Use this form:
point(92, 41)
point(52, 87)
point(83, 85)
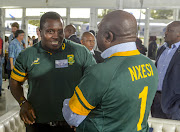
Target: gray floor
point(2, 98)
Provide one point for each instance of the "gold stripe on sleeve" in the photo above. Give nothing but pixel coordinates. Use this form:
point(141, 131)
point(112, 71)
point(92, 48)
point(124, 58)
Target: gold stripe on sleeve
point(81, 96)
point(17, 78)
point(22, 73)
point(77, 107)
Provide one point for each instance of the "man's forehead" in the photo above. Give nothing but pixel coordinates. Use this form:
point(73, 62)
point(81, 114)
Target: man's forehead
point(52, 22)
point(89, 37)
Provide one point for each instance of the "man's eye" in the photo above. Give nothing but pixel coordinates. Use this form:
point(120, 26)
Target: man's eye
point(50, 31)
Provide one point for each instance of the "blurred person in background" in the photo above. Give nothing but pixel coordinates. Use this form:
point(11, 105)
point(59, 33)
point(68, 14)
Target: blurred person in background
point(152, 48)
point(142, 49)
point(14, 28)
point(15, 47)
point(39, 36)
point(88, 40)
point(70, 33)
point(1, 62)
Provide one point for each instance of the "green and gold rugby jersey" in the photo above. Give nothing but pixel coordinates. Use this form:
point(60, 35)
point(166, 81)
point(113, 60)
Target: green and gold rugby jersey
point(52, 77)
point(116, 95)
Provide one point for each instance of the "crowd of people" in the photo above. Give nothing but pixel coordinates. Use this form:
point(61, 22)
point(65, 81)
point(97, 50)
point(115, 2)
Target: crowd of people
point(73, 87)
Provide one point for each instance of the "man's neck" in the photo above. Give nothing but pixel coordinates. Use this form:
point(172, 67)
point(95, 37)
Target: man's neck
point(49, 50)
point(19, 40)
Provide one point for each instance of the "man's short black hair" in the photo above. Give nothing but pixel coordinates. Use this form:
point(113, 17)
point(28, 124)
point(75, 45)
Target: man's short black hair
point(18, 32)
point(49, 15)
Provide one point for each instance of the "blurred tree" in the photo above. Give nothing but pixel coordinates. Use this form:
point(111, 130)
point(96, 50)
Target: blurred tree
point(104, 12)
point(162, 14)
point(34, 22)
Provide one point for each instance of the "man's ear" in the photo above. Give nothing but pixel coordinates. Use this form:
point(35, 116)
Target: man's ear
point(40, 32)
point(82, 42)
point(109, 37)
point(178, 34)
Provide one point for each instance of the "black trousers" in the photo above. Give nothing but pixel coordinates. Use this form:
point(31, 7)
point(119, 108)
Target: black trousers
point(156, 109)
point(37, 127)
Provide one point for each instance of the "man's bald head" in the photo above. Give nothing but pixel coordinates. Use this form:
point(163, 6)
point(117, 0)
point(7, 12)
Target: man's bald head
point(86, 34)
point(88, 40)
point(69, 30)
point(115, 28)
point(172, 34)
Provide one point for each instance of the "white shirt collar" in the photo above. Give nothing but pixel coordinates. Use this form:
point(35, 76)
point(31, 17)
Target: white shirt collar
point(71, 35)
point(175, 45)
point(129, 46)
point(92, 51)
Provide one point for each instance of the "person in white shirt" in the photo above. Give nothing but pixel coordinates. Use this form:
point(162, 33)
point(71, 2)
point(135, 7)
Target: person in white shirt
point(88, 40)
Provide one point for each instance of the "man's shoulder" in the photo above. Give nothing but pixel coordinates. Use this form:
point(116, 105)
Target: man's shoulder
point(74, 45)
point(101, 69)
point(14, 41)
point(11, 35)
point(75, 38)
point(30, 50)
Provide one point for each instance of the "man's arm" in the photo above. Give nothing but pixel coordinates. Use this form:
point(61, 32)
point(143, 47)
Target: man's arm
point(87, 95)
point(71, 118)
point(27, 113)
point(11, 63)
point(18, 76)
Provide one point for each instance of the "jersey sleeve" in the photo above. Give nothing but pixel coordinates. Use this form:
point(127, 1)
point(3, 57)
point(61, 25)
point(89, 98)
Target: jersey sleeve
point(87, 95)
point(19, 72)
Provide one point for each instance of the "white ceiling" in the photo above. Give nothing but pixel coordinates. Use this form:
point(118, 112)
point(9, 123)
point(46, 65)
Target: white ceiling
point(89, 3)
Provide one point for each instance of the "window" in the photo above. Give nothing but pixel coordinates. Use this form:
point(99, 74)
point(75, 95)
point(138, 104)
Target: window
point(162, 14)
point(13, 13)
point(41, 11)
point(79, 13)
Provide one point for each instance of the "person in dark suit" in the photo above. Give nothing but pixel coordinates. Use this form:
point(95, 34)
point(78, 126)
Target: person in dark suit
point(166, 103)
point(142, 49)
point(152, 48)
point(70, 33)
point(39, 36)
point(88, 40)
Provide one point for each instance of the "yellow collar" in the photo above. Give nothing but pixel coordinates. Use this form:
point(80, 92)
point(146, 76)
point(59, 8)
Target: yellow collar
point(126, 53)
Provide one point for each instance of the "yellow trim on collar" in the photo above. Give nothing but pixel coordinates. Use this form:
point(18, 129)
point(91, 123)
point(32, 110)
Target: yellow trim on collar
point(126, 53)
point(49, 52)
point(63, 46)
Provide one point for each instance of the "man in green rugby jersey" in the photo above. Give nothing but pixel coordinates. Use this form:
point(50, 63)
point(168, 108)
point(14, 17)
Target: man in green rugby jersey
point(116, 95)
point(53, 67)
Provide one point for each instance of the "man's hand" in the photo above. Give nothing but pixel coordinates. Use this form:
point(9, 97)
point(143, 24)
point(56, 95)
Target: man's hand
point(73, 127)
point(27, 113)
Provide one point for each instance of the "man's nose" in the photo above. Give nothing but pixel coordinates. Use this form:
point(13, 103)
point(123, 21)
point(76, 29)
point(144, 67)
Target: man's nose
point(92, 42)
point(55, 35)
